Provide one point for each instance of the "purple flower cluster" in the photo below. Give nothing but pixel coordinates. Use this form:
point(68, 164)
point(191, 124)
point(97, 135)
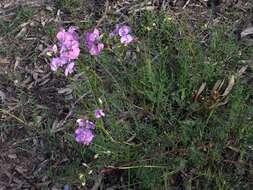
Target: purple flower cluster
point(68, 42)
point(93, 38)
point(93, 42)
point(84, 134)
point(123, 33)
point(69, 50)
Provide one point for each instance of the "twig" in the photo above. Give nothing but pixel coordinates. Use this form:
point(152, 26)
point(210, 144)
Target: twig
point(13, 116)
point(237, 162)
point(135, 167)
point(104, 14)
point(157, 154)
point(185, 5)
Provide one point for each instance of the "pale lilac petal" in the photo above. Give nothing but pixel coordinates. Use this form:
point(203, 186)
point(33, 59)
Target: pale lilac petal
point(61, 35)
point(72, 31)
point(52, 49)
point(89, 37)
point(74, 53)
point(92, 42)
point(63, 50)
point(96, 33)
point(89, 124)
point(126, 39)
point(94, 50)
point(100, 47)
point(54, 65)
point(112, 34)
point(99, 113)
point(57, 62)
point(61, 61)
point(115, 31)
point(81, 122)
point(86, 124)
point(68, 41)
point(71, 54)
point(69, 69)
point(92, 36)
point(124, 30)
point(79, 130)
point(67, 38)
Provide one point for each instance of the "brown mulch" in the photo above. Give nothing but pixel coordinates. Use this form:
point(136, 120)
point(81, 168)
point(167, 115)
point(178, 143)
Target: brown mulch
point(7, 7)
point(20, 162)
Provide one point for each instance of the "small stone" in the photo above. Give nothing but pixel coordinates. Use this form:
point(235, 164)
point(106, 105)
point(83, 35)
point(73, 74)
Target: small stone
point(12, 156)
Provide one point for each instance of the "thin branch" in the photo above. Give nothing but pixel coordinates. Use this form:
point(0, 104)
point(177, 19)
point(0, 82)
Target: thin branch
point(187, 3)
point(13, 116)
point(104, 14)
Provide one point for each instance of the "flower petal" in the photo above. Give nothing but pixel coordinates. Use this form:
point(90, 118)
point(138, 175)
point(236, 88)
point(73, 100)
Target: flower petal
point(81, 122)
point(124, 30)
point(99, 113)
point(69, 69)
point(126, 39)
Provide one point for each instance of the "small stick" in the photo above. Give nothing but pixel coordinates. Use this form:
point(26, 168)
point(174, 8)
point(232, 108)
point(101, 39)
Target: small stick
point(104, 14)
point(185, 5)
point(13, 116)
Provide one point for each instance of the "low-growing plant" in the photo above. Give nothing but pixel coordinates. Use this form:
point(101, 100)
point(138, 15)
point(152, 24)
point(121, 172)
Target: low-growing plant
point(159, 130)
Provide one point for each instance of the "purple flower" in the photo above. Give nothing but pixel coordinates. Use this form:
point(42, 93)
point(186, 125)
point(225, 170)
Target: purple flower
point(92, 36)
point(69, 69)
point(52, 49)
point(54, 64)
point(69, 50)
point(84, 135)
point(124, 30)
point(66, 37)
point(89, 124)
point(57, 62)
point(115, 32)
point(70, 53)
point(99, 113)
point(93, 42)
point(126, 39)
point(96, 49)
point(81, 122)
point(86, 124)
point(69, 46)
point(72, 30)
